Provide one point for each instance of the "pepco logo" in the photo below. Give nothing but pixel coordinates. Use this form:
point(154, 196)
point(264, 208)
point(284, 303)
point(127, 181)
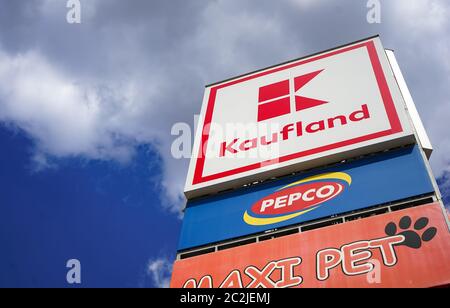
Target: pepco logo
point(297, 198)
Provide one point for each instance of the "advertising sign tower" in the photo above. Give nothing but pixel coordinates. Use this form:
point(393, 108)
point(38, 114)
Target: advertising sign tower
point(315, 173)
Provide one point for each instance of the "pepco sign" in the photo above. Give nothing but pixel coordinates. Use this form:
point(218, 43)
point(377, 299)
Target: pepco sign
point(378, 179)
point(299, 115)
point(297, 198)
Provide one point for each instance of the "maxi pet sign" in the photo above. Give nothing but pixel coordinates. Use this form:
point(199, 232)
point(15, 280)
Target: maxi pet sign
point(295, 116)
point(407, 248)
point(372, 181)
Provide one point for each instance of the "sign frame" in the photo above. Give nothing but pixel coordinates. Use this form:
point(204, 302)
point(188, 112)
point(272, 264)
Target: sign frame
point(401, 130)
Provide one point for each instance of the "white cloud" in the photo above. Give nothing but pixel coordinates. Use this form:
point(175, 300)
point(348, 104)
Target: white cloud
point(104, 113)
point(306, 4)
point(160, 272)
point(93, 119)
point(422, 16)
point(68, 117)
point(421, 33)
point(64, 117)
point(129, 72)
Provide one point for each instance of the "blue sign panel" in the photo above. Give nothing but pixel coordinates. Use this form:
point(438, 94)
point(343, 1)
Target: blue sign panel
point(343, 188)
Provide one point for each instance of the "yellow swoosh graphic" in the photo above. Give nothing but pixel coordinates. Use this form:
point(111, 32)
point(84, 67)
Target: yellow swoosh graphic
point(333, 175)
point(254, 221)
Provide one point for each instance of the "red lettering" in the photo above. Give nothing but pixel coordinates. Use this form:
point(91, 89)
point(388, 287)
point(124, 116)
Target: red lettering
point(205, 283)
point(249, 144)
point(351, 256)
point(233, 280)
point(341, 118)
point(284, 134)
point(360, 115)
point(386, 246)
point(287, 267)
point(228, 147)
point(274, 139)
point(261, 278)
point(315, 127)
point(285, 131)
point(299, 129)
point(327, 259)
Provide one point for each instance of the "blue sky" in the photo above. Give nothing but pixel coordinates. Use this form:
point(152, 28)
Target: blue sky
point(86, 112)
point(105, 215)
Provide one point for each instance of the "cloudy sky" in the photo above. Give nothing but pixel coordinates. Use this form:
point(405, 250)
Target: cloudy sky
point(86, 112)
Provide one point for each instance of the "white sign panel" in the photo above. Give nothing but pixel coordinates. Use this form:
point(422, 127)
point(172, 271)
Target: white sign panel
point(306, 113)
point(421, 133)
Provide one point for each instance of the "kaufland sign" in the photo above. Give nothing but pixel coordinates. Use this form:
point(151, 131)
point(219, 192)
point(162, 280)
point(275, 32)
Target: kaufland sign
point(309, 112)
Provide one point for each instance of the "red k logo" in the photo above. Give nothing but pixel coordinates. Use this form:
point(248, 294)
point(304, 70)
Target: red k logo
point(276, 99)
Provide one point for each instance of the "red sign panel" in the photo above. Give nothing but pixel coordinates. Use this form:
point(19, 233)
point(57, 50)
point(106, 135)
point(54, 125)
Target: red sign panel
point(408, 248)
